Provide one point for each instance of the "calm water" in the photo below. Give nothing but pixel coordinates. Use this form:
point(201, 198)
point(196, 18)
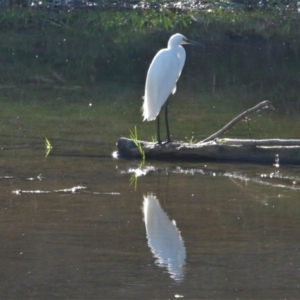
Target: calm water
point(78, 224)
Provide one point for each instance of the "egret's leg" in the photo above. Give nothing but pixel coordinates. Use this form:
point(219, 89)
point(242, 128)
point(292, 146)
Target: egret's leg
point(158, 131)
point(167, 122)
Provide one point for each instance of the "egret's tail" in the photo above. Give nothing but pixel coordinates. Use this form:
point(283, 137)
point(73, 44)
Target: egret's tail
point(149, 113)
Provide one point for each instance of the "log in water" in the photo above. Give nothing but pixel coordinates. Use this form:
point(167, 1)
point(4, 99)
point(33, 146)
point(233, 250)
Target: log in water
point(260, 151)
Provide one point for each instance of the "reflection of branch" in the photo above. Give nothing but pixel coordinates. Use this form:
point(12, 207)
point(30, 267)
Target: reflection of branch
point(288, 181)
point(259, 106)
point(233, 180)
point(240, 186)
point(256, 180)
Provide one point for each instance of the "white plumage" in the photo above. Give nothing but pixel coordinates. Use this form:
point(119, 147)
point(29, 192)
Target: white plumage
point(162, 76)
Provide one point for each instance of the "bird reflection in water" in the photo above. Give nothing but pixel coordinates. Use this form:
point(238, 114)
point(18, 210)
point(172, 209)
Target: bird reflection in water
point(164, 238)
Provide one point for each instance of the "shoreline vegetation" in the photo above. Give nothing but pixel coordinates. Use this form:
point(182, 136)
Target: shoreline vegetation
point(247, 48)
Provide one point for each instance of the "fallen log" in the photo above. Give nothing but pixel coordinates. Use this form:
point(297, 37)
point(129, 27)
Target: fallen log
point(263, 151)
point(213, 148)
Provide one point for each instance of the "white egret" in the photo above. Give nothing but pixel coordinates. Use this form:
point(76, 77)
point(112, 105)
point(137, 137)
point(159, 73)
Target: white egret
point(163, 73)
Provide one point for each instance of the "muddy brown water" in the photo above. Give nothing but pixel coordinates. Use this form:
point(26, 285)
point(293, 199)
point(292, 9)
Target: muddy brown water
point(78, 224)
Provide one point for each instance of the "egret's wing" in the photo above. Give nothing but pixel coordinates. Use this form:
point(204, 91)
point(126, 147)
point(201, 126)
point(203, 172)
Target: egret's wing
point(181, 60)
point(161, 81)
point(181, 57)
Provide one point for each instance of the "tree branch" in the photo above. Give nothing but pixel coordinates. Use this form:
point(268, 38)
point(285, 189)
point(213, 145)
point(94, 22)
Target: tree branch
point(264, 104)
point(261, 143)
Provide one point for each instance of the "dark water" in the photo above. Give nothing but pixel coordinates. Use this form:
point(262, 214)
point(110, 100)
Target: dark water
point(78, 224)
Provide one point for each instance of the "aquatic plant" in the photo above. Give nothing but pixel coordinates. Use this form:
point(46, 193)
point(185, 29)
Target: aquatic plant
point(191, 140)
point(134, 137)
point(48, 147)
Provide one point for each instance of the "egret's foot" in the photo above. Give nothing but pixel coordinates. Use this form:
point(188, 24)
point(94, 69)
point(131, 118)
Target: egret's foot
point(167, 142)
point(163, 143)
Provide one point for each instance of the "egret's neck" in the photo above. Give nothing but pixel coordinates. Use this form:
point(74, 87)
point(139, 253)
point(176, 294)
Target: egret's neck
point(172, 45)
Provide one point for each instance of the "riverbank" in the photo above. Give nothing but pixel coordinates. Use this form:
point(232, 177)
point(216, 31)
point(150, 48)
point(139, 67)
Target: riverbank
point(245, 51)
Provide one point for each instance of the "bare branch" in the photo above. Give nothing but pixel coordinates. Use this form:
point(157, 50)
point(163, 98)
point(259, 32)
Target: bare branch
point(265, 142)
point(264, 104)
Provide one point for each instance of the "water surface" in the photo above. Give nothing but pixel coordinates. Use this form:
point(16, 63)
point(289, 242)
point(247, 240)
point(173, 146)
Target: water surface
point(73, 224)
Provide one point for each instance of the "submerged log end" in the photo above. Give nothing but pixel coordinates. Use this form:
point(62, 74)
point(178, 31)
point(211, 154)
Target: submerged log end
point(128, 148)
point(124, 145)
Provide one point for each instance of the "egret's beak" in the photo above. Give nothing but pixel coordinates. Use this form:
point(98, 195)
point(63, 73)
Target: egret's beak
point(193, 43)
